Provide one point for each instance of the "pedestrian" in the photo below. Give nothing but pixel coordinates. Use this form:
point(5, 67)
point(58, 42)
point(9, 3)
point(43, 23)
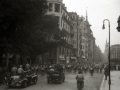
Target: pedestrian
point(85, 69)
point(101, 68)
point(20, 71)
point(27, 66)
point(42, 70)
point(36, 68)
point(117, 67)
point(75, 68)
point(91, 70)
point(106, 72)
point(13, 70)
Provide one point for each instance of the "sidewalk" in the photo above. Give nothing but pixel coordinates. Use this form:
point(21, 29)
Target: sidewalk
point(115, 81)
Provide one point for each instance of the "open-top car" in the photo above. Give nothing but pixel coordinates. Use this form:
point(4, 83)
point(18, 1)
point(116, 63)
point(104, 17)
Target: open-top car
point(22, 80)
point(55, 76)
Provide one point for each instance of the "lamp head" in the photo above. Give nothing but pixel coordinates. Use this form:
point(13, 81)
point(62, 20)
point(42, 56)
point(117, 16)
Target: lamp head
point(103, 26)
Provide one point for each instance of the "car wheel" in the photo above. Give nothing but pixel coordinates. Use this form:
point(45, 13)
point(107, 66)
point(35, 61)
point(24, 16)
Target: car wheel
point(35, 81)
point(10, 86)
point(24, 84)
point(64, 79)
point(48, 81)
point(60, 81)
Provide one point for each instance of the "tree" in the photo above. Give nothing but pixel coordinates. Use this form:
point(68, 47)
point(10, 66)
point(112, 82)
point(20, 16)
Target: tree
point(26, 30)
point(18, 18)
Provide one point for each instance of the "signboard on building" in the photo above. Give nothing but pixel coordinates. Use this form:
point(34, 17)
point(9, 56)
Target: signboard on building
point(62, 57)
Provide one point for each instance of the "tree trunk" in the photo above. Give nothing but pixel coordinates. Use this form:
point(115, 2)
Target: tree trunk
point(1, 58)
point(7, 59)
point(16, 60)
point(1, 55)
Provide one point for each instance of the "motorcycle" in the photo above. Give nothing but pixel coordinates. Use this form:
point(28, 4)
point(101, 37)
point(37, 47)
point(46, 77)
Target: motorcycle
point(80, 85)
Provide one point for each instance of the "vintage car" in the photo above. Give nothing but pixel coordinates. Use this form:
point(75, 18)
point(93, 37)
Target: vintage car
point(55, 76)
point(24, 81)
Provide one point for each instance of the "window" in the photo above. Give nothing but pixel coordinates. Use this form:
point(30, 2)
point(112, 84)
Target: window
point(60, 50)
point(57, 8)
point(61, 22)
point(57, 18)
point(50, 6)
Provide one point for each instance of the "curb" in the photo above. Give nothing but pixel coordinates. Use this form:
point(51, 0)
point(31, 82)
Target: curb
point(102, 84)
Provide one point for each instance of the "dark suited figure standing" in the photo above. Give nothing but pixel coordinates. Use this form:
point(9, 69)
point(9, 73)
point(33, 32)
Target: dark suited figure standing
point(106, 72)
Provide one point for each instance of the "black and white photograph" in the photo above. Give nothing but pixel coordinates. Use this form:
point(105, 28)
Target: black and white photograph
point(59, 44)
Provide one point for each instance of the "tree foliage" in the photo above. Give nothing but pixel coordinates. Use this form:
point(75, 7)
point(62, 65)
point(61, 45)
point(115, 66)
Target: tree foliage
point(18, 18)
point(26, 30)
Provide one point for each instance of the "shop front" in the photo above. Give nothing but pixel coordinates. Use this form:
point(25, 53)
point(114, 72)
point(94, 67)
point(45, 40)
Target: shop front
point(73, 59)
point(62, 59)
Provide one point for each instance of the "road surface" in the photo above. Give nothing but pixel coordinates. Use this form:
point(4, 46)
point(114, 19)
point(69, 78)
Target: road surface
point(90, 83)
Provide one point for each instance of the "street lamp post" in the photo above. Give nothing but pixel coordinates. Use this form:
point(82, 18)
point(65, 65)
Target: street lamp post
point(109, 49)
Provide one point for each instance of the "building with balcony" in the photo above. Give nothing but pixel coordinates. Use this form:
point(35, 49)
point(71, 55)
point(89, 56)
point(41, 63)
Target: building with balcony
point(90, 41)
point(58, 9)
point(76, 41)
point(82, 38)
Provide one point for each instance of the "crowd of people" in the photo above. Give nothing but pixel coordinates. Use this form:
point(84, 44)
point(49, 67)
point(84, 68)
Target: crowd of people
point(42, 69)
point(94, 67)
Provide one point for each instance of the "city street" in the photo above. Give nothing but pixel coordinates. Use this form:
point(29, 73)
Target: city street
point(93, 83)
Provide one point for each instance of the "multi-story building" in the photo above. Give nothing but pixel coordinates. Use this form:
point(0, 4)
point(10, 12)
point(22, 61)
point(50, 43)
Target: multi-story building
point(58, 9)
point(87, 40)
point(82, 53)
point(82, 39)
point(76, 41)
point(115, 51)
point(90, 41)
point(97, 54)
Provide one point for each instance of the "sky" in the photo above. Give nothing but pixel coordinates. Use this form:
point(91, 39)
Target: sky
point(97, 11)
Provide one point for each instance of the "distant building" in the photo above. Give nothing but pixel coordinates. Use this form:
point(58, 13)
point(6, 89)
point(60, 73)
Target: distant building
point(106, 52)
point(115, 51)
point(98, 56)
point(90, 41)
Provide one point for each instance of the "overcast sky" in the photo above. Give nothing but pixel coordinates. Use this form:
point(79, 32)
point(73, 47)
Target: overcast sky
point(97, 11)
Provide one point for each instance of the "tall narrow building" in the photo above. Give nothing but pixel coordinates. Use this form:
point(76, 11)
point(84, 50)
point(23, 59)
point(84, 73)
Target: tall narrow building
point(106, 51)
